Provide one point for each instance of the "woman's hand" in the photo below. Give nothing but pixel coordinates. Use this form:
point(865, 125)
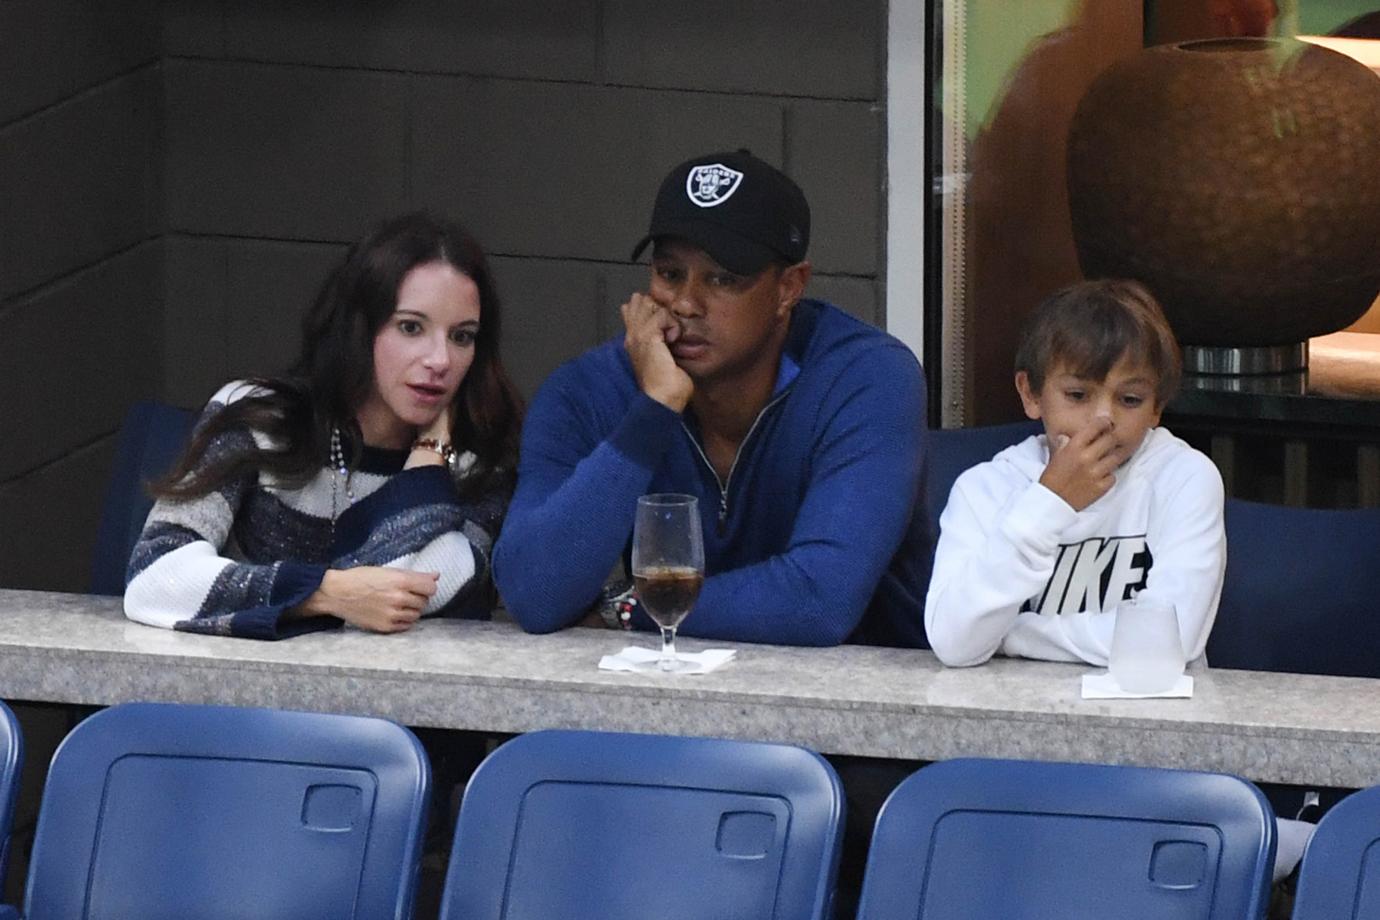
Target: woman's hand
point(440, 426)
point(438, 430)
point(372, 597)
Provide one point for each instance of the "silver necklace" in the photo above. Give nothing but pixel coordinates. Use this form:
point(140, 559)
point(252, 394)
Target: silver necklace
point(340, 475)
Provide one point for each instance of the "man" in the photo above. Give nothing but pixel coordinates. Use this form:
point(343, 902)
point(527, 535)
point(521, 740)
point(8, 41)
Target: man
point(798, 427)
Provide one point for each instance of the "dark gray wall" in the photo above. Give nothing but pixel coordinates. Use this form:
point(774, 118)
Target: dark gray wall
point(80, 266)
point(175, 181)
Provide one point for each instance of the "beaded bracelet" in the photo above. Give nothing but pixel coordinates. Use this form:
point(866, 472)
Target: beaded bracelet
point(616, 604)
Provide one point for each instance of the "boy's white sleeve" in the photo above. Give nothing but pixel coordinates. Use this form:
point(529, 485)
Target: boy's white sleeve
point(1188, 543)
point(998, 542)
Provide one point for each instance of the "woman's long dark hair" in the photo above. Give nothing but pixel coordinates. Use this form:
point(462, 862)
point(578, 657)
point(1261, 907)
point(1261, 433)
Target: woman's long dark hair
point(333, 372)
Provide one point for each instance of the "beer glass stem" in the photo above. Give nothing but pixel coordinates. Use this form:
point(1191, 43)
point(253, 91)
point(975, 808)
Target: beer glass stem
point(667, 661)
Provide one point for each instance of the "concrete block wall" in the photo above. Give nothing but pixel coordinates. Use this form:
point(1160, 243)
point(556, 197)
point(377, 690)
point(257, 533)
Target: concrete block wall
point(80, 266)
point(284, 128)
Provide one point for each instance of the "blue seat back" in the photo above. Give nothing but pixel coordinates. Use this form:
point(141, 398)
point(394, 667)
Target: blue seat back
point(163, 811)
point(600, 826)
point(11, 759)
point(151, 437)
point(1340, 875)
point(1021, 840)
point(950, 451)
point(1301, 591)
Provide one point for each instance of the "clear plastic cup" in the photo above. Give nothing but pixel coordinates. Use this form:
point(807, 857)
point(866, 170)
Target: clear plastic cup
point(1147, 654)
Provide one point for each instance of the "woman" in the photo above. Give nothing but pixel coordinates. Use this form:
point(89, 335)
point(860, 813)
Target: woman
point(365, 485)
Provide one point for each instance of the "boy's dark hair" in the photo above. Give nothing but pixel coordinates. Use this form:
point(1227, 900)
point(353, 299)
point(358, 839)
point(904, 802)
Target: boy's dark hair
point(1091, 325)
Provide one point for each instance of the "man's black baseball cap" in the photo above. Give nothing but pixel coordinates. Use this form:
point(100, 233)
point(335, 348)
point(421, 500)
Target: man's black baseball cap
point(741, 210)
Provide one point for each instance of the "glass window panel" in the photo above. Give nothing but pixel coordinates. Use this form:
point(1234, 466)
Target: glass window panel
point(1007, 80)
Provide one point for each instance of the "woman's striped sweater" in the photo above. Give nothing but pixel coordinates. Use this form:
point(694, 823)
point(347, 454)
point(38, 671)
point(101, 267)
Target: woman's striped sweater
point(235, 561)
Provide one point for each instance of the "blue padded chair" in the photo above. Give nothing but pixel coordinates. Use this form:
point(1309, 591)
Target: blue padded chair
point(950, 451)
point(1020, 840)
point(1340, 876)
point(166, 812)
point(151, 437)
point(600, 826)
point(1300, 592)
point(11, 757)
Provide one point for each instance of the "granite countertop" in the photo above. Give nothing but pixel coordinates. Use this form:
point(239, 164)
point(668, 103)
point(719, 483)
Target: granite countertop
point(877, 702)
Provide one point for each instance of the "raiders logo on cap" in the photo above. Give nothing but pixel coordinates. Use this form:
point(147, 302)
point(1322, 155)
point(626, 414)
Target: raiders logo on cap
point(739, 209)
point(711, 184)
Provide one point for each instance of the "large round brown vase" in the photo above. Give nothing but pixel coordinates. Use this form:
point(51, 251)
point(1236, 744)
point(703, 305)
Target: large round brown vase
point(1239, 179)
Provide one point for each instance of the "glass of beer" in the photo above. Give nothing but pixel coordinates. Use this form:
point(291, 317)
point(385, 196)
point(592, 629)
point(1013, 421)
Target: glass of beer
point(668, 566)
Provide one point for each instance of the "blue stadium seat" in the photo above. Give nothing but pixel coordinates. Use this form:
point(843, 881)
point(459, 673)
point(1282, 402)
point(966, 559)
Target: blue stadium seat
point(150, 440)
point(600, 826)
point(1340, 876)
point(168, 812)
point(1300, 591)
point(950, 451)
point(1019, 840)
point(11, 758)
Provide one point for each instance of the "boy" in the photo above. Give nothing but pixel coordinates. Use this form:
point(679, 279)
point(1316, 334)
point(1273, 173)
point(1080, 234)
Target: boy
point(1038, 546)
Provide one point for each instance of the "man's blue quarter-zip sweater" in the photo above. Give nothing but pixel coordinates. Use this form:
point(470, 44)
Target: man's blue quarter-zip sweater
point(816, 537)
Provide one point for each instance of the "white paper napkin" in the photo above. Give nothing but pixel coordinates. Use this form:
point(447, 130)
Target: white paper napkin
point(633, 655)
point(1101, 686)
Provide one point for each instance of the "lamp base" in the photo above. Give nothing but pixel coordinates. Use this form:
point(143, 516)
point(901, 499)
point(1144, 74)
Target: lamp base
point(1236, 362)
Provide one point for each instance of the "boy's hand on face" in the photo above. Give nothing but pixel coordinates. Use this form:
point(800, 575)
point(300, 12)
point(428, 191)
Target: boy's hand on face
point(650, 327)
point(1081, 468)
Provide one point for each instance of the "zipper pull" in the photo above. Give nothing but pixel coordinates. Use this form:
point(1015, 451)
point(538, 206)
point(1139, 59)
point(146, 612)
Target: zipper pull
point(723, 513)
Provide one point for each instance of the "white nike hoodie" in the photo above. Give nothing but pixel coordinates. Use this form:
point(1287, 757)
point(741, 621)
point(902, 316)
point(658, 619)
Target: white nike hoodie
point(1018, 572)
